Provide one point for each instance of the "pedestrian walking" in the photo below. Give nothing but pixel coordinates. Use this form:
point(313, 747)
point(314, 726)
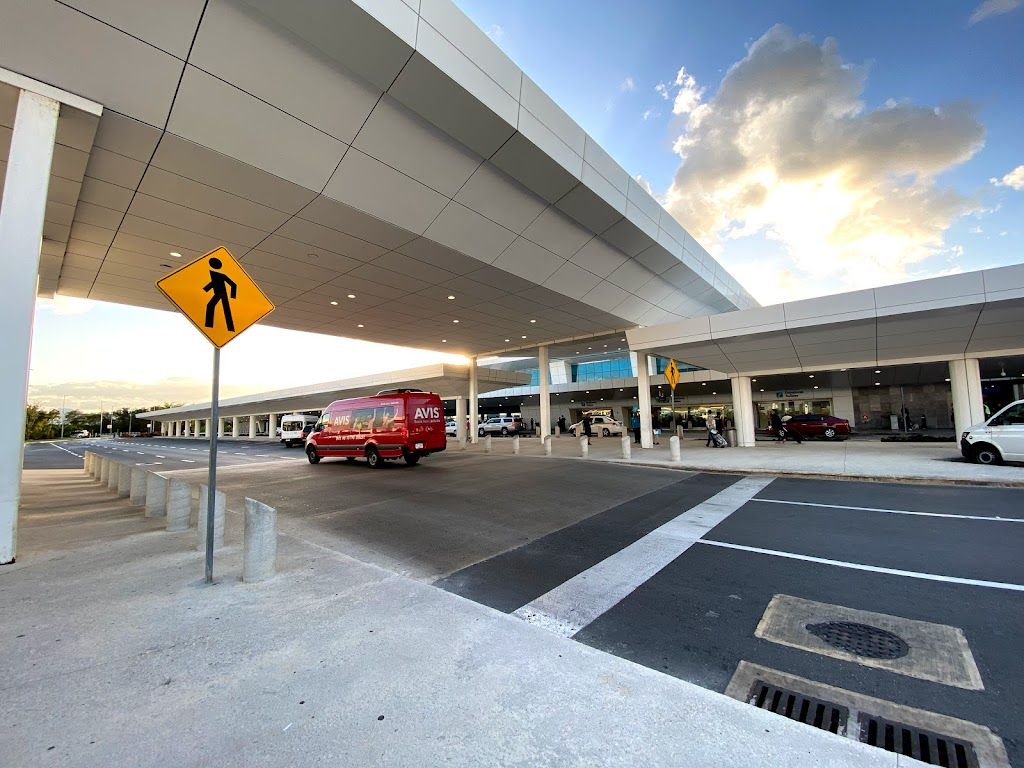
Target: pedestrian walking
point(635, 425)
point(561, 424)
point(712, 425)
point(775, 422)
point(586, 428)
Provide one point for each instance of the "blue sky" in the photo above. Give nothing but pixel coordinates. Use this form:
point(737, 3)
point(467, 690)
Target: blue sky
point(601, 61)
point(829, 146)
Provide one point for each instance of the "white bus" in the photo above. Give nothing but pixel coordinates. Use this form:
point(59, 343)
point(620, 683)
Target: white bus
point(292, 426)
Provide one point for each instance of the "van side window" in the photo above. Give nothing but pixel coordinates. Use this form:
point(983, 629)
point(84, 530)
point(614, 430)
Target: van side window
point(385, 418)
point(362, 418)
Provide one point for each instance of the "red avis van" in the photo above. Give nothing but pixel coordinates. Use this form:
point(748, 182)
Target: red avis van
point(402, 423)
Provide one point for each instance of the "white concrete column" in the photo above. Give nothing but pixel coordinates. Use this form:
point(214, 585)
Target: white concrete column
point(252, 427)
point(186, 428)
point(643, 383)
point(545, 391)
point(164, 428)
point(234, 426)
point(968, 407)
point(221, 423)
point(272, 426)
point(743, 411)
point(209, 428)
point(21, 235)
point(474, 401)
point(460, 419)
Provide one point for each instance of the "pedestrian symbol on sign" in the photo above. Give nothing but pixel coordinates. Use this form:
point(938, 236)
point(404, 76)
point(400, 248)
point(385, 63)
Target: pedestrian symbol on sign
point(218, 284)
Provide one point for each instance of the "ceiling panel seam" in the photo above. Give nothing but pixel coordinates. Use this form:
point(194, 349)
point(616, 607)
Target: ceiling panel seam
point(129, 34)
point(163, 132)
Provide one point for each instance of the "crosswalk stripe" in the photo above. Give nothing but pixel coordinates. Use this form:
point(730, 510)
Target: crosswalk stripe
point(571, 606)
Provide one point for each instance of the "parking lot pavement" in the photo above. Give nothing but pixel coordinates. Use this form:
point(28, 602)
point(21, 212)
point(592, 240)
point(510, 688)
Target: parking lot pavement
point(116, 653)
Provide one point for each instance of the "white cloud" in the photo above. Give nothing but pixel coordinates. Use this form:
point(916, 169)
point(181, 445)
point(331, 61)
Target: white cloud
point(495, 32)
point(683, 91)
point(627, 85)
point(993, 8)
point(649, 113)
point(1014, 179)
point(786, 150)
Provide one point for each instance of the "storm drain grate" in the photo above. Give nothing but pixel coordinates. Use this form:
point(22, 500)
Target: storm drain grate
point(803, 709)
point(860, 639)
point(918, 743)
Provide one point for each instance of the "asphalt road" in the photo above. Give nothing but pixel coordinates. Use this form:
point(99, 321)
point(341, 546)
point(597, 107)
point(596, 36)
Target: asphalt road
point(566, 539)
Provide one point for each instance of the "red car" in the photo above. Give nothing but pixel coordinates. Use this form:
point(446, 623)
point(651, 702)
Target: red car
point(817, 425)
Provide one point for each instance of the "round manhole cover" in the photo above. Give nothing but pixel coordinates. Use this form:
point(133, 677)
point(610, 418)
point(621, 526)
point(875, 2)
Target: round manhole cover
point(860, 639)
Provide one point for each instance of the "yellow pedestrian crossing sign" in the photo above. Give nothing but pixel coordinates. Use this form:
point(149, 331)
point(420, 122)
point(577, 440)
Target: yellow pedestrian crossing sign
point(216, 294)
point(672, 374)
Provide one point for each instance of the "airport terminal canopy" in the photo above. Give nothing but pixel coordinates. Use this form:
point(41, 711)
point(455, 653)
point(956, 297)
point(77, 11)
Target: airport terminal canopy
point(380, 167)
point(445, 379)
point(969, 315)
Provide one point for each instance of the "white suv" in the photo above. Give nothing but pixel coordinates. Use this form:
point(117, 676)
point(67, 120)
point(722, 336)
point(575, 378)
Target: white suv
point(998, 439)
point(599, 425)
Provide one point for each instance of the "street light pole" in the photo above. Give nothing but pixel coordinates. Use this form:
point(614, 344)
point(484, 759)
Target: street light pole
point(63, 415)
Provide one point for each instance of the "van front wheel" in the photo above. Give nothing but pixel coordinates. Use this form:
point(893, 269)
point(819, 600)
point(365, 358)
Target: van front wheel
point(312, 455)
point(373, 457)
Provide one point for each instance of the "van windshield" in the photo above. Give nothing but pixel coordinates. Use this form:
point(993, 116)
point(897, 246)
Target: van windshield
point(292, 425)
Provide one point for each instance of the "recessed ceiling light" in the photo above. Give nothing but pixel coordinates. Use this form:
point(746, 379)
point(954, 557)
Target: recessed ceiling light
point(524, 337)
point(842, 369)
point(533, 321)
point(947, 379)
point(762, 390)
point(334, 303)
point(878, 383)
point(606, 345)
point(815, 386)
point(455, 321)
point(451, 298)
point(572, 401)
point(351, 295)
point(620, 389)
point(877, 371)
point(811, 376)
point(444, 341)
point(175, 254)
point(621, 339)
point(703, 383)
point(753, 380)
point(589, 347)
point(359, 326)
point(508, 339)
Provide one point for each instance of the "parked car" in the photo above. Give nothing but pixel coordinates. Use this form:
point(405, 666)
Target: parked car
point(997, 439)
point(451, 428)
point(502, 425)
point(818, 425)
point(81, 433)
point(599, 425)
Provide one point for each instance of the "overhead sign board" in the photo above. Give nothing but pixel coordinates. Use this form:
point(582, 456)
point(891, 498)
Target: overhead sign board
point(217, 296)
point(672, 374)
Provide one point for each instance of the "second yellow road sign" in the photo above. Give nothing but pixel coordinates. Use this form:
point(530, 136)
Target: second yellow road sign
point(672, 374)
point(217, 295)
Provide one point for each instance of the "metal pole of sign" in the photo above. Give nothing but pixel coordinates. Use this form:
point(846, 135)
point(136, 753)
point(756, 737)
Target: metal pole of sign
point(211, 513)
point(672, 406)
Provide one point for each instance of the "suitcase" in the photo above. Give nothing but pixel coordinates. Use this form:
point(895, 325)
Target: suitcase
point(719, 440)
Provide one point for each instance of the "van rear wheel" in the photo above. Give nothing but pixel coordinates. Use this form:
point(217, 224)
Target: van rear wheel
point(373, 457)
point(412, 458)
point(312, 455)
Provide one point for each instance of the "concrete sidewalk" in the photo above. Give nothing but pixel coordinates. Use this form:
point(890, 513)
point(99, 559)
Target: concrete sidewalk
point(844, 459)
point(117, 653)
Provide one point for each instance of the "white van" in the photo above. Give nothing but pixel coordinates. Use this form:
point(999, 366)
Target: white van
point(997, 439)
point(292, 427)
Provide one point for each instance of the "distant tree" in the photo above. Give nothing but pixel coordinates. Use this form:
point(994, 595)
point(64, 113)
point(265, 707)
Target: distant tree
point(41, 424)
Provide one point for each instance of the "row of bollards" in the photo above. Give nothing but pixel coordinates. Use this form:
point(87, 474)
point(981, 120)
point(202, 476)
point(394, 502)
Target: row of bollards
point(172, 499)
point(584, 442)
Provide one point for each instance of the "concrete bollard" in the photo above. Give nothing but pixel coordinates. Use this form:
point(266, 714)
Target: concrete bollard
point(124, 481)
point(515, 445)
point(113, 475)
point(558, 431)
point(584, 446)
point(104, 473)
point(156, 495)
point(259, 541)
point(94, 464)
point(179, 506)
point(462, 443)
point(673, 448)
point(627, 447)
point(547, 445)
point(487, 444)
point(137, 492)
point(86, 462)
point(219, 502)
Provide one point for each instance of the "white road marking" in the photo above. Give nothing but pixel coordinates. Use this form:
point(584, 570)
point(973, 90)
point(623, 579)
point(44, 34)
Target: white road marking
point(188, 461)
point(892, 511)
point(65, 450)
point(871, 568)
point(150, 464)
point(161, 457)
point(574, 604)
